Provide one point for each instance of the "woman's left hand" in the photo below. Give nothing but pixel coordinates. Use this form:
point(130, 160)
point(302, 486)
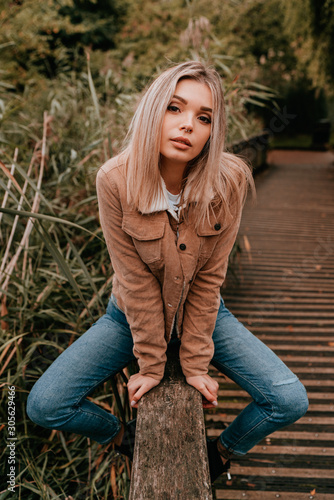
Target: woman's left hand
point(138, 385)
point(208, 387)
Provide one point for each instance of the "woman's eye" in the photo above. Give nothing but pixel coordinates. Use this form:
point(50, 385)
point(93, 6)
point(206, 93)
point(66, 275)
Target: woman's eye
point(205, 119)
point(173, 108)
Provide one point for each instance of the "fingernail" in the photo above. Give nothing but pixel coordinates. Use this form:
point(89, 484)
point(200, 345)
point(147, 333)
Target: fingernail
point(214, 403)
point(133, 403)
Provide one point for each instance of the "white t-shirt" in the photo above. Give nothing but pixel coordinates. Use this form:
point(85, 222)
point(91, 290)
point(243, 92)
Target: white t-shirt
point(174, 201)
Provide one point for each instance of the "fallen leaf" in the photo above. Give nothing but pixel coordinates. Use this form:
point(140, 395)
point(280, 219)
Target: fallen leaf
point(113, 481)
point(312, 492)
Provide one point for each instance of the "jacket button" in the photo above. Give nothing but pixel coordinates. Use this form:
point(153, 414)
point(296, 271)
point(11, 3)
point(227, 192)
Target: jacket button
point(182, 246)
point(217, 226)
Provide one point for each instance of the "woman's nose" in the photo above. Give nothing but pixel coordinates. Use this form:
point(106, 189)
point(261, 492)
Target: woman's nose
point(187, 123)
point(187, 128)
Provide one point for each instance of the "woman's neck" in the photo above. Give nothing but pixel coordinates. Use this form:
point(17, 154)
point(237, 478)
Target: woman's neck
point(172, 174)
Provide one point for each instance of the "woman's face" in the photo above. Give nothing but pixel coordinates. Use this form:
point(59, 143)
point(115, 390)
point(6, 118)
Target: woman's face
point(187, 123)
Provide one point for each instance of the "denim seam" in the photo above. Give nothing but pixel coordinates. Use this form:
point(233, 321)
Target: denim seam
point(102, 418)
point(229, 448)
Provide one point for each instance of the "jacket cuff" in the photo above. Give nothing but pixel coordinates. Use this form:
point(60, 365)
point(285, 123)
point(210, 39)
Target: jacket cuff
point(152, 375)
point(194, 371)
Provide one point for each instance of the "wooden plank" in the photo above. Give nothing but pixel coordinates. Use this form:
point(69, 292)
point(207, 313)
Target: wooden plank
point(278, 312)
point(228, 393)
point(286, 290)
point(294, 450)
point(316, 383)
point(309, 369)
point(313, 369)
point(232, 301)
point(237, 470)
point(300, 295)
point(307, 382)
point(230, 295)
point(297, 348)
point(301, 347)
point(285, 287)
point(229, 494)
point(289, 320)
point(302, 421)
point(293, 435)
point(292, 329)
point(224, 405)
point(306, 359)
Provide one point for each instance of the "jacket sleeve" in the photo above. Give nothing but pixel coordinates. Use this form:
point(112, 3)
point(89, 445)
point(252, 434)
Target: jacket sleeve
point(139, 288)
point(201, 307)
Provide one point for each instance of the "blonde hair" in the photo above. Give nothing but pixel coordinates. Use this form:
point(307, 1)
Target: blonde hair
point(213, 178)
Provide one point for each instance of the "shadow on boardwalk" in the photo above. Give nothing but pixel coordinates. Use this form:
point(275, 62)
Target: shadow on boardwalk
point(285, 295)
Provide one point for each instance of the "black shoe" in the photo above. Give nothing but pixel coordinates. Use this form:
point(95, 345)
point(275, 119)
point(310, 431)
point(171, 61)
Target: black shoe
point(216, 466)
point(128, 441)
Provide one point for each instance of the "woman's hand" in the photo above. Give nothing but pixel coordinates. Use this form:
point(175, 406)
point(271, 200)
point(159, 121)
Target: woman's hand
point(208, 387)
point(138, 385)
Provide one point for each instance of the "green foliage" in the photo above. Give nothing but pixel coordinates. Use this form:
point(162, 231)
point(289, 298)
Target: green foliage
point(268, 44)
point(99, 22)
point(50, 38)
point(310, 26)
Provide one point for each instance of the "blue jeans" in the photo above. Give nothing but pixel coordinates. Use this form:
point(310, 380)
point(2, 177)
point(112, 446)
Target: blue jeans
point(58, 400)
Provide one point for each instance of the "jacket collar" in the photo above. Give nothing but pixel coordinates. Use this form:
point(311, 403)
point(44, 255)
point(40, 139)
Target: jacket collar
point(162, 203)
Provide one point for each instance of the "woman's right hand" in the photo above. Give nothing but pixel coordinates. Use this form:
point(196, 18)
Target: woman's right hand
point(138, 385)
point(208, 387)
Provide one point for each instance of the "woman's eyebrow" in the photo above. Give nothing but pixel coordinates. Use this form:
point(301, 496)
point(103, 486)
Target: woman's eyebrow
point(180, 99)
point(202, 108)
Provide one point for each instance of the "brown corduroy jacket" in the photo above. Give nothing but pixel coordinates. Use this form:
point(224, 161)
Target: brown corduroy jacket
point(160, 279)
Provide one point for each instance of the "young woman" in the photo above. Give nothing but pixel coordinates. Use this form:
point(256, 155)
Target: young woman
point(170, 206)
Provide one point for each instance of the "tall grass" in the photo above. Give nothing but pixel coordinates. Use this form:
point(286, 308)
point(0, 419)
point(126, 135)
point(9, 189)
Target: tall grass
point(55, 279)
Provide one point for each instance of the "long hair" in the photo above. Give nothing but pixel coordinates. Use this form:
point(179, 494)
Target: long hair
point(213, 178)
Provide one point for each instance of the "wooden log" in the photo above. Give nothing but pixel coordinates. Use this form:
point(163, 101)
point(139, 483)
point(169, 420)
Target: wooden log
point(170, 456)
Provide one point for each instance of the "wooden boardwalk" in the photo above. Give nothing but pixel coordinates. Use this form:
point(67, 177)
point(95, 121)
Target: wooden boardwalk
point(284, 293)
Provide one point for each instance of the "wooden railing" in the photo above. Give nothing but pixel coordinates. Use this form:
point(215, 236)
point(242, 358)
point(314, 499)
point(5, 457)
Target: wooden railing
point(170, 456)
point(254, 149)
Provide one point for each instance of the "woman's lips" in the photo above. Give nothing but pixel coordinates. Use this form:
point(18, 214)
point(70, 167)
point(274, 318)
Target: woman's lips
point(181, 142)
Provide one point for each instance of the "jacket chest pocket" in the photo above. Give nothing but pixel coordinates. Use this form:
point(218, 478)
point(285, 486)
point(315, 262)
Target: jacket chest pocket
point(209, 236)
point(146, 236)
